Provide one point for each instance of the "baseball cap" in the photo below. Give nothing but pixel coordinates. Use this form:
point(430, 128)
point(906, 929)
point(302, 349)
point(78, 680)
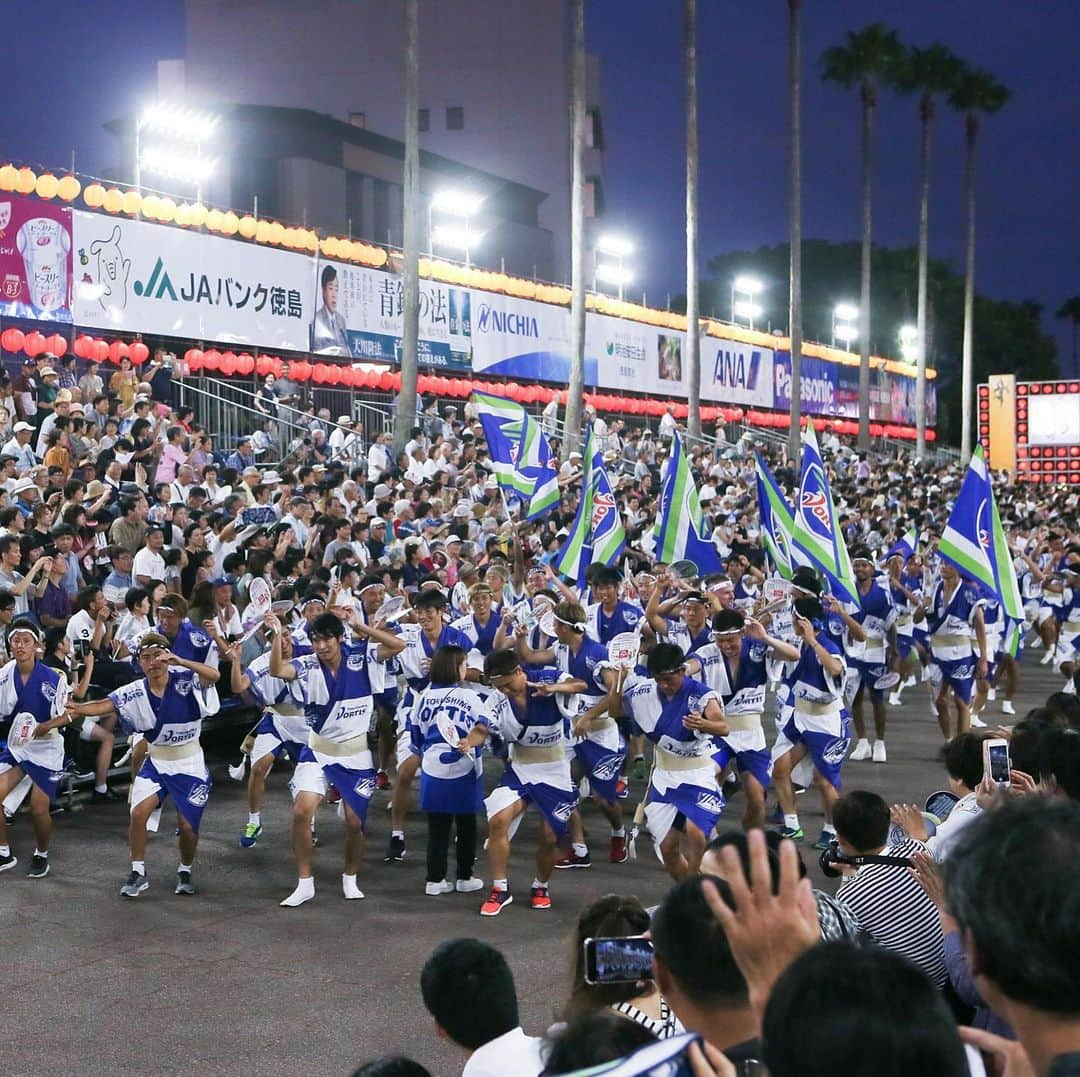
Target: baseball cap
point(23, 426)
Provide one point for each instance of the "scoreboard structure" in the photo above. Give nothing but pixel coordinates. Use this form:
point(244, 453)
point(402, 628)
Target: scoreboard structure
point(1031, 428)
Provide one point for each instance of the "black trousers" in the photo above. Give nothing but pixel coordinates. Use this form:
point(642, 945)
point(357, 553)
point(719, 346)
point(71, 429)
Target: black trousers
point(438, 844)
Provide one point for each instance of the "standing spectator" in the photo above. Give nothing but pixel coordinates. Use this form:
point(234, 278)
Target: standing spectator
point(173, 456)
point(667, 424)
point(90, 384)
point(25, 389)
point(123, 384)
point(129, 529)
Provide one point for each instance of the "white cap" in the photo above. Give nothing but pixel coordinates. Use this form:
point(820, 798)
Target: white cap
point(23, 426)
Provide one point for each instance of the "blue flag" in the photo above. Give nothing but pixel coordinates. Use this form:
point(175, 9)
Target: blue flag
point(597, 532)
point(904, 546)
point(817, 527)
point(680, 522)
point(777, 520)
point(520, 454)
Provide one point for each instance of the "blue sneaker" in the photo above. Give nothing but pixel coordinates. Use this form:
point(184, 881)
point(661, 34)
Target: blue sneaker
point(250, 835)
point(777, 816)
point(792, 833)
point(825, 840)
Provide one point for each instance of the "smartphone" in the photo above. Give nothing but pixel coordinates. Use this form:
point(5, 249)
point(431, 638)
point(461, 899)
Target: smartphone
point(996, 760)
point(618, 960)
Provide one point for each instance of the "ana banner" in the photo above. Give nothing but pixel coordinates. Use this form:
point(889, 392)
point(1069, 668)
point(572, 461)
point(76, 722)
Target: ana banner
point(358, 312)
point(736, 373)
point(132, 276)
point(35, 259)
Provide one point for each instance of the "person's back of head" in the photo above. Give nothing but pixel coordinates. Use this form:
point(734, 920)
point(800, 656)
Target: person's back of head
point(963, 759)
point(468, 988)
point(836, 1009)
point(611, 916)
point(391, 1066)
point(862, 820)
point(693, 960)
point(1013, 886)
point(1059, 762)
point(592, 1039)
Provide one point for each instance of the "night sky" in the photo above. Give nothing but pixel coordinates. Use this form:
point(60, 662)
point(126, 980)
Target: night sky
point(79, 66)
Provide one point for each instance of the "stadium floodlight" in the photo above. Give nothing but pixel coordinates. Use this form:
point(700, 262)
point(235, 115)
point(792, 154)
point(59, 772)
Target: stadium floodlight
point(177, 164)
point(844, 332)
point(616, 246)
point(748, 285)
point(614, 274)
point(846, 312)
point(455, 237)
point(909, 343)
point(746, 308)
point(179, 122)
point(456, 203)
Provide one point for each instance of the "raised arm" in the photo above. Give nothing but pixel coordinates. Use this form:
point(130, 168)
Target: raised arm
point(279, 667)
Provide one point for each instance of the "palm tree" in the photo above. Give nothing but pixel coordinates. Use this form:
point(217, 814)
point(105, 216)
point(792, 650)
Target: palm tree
point(928, 72)
point(576, 381)
point(976, 92)
point(1071, 309)
point(795, 220)
point(866, 58)
point(693, 340)
point(405, 416)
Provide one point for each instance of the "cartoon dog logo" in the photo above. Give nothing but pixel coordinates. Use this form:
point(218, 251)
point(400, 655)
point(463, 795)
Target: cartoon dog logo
point(113, 270)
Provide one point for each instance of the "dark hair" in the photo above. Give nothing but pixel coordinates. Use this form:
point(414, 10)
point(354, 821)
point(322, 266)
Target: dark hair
point(446, 664)
point(862, 819)
point(391, 1066)
point(1013, 884)
point(1059, 759)
point(1024, 746)
point(728, 621)
point(86, 596)
point(134, 596)
point(611, 916)
point(327, 624)
point(690, 943)
point(664, 658)
point(501, 663)
point(53, 638)
point(328, 275)
point(591, 1039)
point(834, 1011)
point(737, 840)
point(468, 988)
point(7, 600)
point(963, 758)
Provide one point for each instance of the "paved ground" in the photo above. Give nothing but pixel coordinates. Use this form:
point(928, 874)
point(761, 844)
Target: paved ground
point(229, 983)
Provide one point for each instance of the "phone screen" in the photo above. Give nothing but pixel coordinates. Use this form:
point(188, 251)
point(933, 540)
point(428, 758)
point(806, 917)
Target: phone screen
point(997, 756)
point(618, 960)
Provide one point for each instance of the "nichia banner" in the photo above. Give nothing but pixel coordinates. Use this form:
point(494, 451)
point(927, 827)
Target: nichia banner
point(132, 276)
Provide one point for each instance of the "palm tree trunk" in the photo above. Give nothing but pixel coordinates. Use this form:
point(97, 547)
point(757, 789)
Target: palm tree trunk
point(577, 230)
point(926, 114)
point(795, 219)
point(405, 416)
point(866, 156)
point(693, 339)
point(971, 132)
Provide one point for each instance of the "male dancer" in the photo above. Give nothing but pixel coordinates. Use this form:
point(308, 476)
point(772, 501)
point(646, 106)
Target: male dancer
point(34, 697)
point(335, 685)
point(167, 706)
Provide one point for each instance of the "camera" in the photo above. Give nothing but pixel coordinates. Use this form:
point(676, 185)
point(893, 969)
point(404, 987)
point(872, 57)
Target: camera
point(831, 856)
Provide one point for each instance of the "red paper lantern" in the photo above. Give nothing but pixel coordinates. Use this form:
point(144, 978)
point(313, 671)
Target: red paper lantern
point(301, 371)
point(118, 350)
point(194, 359)
point(227, 366)
point(212, 359)
point(139, 353)
point(82, 346)
point(263, 365)
point(34, 344)
point(386, 381)
point(245, 364)
point(12, 340)
point(100, 351)
point(56, 344)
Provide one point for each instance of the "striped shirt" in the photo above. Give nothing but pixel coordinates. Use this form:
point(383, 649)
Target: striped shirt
point(895, 913)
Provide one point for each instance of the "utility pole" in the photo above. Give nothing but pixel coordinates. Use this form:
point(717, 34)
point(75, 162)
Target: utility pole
point(576, 386)
point(795, 221)
point(693, 337)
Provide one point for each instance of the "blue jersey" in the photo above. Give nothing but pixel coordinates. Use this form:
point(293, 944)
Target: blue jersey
point(539, 723)
point(603, 627)
point(171, 719)
point(444, 716)
point(482, 637)
point(192, 643)
point(744, 691)
point(661, 718)
point(416, 658)
point(587, 665)
point(337, 706)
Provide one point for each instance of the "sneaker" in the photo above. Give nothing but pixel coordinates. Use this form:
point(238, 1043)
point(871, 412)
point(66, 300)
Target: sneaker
point(7, 862)
point(619, 852)
point(862, 751)
point(110, 796)
point(468, 886)
point(395, 851)
point(1047, 658)
point(72, 771)
point(879, 751)
point(250, 835)
point(639, 770)
point(622, 789)
point(825, 840)
point(977, 722)
point(572, 860)
point(136, 884)
point(910, 682)
point(894, 699)
point(792, 833)
point(539, 898)
point(435, 889)
point(382, 780)
point(496, 902)
point(1007, 707)
point(184, 884)
point(39, 867)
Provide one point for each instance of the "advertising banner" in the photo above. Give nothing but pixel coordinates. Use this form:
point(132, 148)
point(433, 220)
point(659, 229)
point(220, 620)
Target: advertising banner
point(358, 312)
point(523, 340)
point(632, 357)
point(35, 259)
point(133, 276)
point(736, 373)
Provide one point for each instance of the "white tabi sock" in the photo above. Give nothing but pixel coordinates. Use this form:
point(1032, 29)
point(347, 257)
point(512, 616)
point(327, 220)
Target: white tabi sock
point(350, 889)
point(305, 891)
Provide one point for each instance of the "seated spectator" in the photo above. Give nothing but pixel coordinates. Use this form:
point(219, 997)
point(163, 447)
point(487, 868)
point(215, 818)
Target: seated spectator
point(617, 917)
point(963, 758)
point(697, 974)
point(890, 905)
point(591, 1039)
point(1059, 763)
point(469, 990)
